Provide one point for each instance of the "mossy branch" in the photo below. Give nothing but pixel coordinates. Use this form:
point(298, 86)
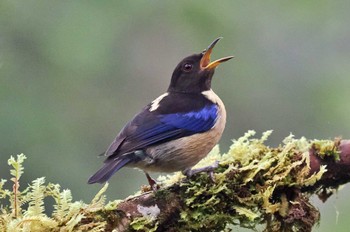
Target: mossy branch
point(254, 184)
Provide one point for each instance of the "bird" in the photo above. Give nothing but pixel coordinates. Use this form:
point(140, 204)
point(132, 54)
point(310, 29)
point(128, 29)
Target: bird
point(177, 129)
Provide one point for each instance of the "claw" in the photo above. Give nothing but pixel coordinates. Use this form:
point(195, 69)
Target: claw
point(208, 169)
point(152, 182)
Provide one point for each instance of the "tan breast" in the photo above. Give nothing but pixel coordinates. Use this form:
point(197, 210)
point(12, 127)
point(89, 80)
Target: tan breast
point(221, 122)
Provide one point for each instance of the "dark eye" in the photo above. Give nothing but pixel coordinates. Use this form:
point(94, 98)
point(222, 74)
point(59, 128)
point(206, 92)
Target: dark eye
point(187, 67)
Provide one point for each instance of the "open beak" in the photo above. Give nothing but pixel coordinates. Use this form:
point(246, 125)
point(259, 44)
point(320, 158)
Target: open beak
point(205, 61)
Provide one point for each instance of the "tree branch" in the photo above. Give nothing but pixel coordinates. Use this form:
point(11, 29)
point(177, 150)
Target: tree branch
point(255, 184)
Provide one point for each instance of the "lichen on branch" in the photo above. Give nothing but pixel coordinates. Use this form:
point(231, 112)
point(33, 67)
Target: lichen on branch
point(254, 185)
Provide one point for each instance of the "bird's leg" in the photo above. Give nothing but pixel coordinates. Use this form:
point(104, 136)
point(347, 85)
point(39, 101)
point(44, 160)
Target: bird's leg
point(209, 169)
point(152, 182)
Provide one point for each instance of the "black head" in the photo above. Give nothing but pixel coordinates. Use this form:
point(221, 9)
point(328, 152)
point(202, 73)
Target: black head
point(194, 73)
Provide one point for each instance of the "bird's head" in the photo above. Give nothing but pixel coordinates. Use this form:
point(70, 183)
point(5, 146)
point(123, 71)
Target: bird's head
point(194, 73)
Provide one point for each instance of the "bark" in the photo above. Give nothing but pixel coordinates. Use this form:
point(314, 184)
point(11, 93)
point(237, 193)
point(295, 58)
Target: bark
point(174, 208)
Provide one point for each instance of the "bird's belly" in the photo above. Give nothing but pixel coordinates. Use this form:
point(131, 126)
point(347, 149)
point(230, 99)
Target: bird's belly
point(182, 153)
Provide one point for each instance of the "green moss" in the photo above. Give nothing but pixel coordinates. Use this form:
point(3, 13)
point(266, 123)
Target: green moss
point(144, 224)
point(254, 184)
point(251, 184)
point(67, 214)
point(326, 149)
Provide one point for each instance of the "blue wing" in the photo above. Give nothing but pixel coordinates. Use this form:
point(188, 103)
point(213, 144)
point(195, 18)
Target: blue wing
point(150, 128)
point(195, 121)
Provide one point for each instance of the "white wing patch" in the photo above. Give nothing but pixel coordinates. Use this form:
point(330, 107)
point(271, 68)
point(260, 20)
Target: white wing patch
point(155, 102)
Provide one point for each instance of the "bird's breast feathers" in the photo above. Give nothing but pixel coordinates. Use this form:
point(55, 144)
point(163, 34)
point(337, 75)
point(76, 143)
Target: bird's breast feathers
point(221, 120)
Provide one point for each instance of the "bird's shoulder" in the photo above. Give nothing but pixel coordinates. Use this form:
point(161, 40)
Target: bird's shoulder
point(170, 116)
point(175, 102)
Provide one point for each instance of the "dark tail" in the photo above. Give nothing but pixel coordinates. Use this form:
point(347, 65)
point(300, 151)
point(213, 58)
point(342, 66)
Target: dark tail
point(108, 169)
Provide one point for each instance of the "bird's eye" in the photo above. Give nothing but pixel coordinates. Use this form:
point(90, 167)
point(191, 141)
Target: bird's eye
point(187, 67)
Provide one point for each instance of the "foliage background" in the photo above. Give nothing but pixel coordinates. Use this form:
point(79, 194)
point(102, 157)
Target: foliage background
point(72, 73)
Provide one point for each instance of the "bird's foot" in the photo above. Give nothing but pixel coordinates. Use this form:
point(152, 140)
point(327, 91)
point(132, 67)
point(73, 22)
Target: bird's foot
point(152, 182)
point(208, 169)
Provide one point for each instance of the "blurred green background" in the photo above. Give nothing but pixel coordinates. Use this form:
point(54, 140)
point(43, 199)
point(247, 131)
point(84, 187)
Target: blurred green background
point(72, 73)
